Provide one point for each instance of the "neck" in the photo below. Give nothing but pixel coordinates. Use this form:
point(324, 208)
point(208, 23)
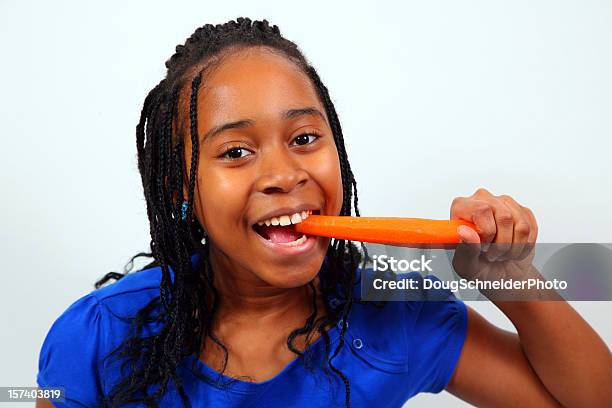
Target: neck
point(248, 299)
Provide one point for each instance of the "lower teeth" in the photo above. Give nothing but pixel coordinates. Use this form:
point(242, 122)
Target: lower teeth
point(298, 241)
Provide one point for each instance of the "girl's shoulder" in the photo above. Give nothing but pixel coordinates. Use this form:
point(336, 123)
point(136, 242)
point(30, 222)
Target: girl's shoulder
point(74, 350)
point(112, 305)
point(125, 297)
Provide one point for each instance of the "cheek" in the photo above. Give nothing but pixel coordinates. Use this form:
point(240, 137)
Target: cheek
point(221, 200)
point(328, 172)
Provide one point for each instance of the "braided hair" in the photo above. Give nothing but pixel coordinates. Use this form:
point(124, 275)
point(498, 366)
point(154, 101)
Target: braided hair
point(188, 301)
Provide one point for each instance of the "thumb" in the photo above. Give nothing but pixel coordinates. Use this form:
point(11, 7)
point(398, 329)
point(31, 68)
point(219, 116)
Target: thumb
point(468, 235)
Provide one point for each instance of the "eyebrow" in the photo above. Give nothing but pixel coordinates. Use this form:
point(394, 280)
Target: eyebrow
point(243, 123)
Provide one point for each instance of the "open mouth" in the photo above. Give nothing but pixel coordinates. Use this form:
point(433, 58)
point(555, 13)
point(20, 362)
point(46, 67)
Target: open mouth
point(281, 229)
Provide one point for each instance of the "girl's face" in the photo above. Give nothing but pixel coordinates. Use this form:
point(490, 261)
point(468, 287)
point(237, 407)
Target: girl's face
point(266, 149)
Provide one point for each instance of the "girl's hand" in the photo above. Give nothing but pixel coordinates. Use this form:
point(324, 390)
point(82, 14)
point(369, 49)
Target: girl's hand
point(499, 220)
point(503, 242)
point(555, 358)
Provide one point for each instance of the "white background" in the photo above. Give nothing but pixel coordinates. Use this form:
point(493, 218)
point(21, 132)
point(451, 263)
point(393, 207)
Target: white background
point(436, 99)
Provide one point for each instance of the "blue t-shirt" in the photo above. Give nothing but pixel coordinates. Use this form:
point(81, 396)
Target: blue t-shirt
point(390, 354)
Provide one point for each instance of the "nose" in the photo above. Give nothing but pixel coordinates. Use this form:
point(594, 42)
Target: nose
point(280, 171)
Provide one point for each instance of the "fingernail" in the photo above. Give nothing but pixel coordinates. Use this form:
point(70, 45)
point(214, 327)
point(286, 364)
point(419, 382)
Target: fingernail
point(462, 230)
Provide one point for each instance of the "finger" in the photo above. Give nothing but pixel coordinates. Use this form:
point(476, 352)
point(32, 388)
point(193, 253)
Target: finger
point(466, 258)
point(504, 222)
point(468, 235)
point(533, 233)
point(522, 227)
point(479, 212)
point(482, 194)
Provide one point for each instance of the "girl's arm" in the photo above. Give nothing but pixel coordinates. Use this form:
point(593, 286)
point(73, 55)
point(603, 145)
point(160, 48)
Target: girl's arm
point(555, 359)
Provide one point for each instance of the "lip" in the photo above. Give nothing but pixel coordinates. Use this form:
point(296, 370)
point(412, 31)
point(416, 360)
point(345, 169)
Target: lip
point(287, 211)
point(280, 249)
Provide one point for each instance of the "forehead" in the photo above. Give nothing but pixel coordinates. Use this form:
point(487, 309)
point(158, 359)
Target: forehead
point(253, 83)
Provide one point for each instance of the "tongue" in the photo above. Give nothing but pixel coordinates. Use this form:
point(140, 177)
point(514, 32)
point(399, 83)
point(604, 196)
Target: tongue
point(278, 234)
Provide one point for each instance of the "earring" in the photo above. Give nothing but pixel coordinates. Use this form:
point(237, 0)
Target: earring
point(184, 211)
point(203, 241)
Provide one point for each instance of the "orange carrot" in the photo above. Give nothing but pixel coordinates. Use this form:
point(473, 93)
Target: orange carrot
point(410, 232)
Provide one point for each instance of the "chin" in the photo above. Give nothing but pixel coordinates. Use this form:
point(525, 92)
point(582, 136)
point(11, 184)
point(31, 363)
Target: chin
point(291, 276)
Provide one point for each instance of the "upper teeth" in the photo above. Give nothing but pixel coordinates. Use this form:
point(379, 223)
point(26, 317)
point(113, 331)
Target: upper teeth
point(286, 219)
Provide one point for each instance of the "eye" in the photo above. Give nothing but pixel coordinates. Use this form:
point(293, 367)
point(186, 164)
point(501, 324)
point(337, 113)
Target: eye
point(236, 152)
point(305, 138)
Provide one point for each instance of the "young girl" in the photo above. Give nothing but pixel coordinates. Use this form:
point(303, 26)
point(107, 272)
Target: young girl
point(240, 139)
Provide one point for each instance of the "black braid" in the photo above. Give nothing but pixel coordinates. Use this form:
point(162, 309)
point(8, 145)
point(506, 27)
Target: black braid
point(188, 301)
point(193, 120)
